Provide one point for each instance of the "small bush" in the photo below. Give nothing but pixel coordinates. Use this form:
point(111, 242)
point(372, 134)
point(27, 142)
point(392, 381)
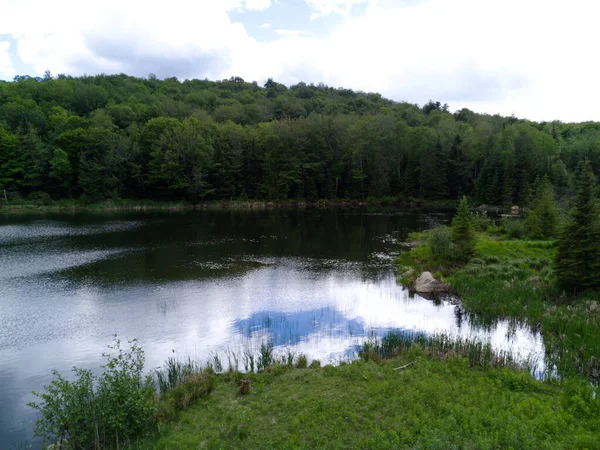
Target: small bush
point(440, 244)
point(315, 364)
point(40, 198)
point(266, 357)
point(302, 362)
point(481, 222)
point(105, 412)
point(513, 228)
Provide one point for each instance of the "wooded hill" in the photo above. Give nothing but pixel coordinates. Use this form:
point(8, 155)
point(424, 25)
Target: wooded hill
point(116, 136)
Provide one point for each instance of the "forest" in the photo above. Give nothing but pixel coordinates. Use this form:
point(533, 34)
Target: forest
point(116, 136)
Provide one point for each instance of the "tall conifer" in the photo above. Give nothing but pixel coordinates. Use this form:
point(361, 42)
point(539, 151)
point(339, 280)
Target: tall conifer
point(577, 263)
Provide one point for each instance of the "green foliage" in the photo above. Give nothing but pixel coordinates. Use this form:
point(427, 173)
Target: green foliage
point(175, 372)
point(432, 403)
point(213, 140)
point(463, 236)
point(577, 263)
point(191, 387)
point(108, 411)
point(302, 362)
point(69, 410)
point(514, 279)
point(542, 221)
point(481, 222)
point(440, 244)
point(513, 227)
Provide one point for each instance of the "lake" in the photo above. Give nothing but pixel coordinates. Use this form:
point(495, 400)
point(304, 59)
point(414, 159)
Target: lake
point(318, 282)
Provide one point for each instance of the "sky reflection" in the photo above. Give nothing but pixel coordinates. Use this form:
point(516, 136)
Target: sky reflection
point(318, 283)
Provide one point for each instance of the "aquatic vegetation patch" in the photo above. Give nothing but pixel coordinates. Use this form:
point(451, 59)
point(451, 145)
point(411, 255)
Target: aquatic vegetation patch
point(514, 279)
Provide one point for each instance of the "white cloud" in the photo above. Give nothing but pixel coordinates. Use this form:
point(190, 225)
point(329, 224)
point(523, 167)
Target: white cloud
point(265, 25)
point(257, 5)
point(324, 7)
point(531, 57)
point(6, 69)
point(289, 33)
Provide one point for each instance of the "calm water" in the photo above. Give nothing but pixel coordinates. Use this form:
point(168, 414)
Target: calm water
point(200, 283)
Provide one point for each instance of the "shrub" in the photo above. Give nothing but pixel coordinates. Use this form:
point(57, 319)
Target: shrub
point(481, 221)
point(514, 228)
point(105, 412)
point(440, 244)
point(302, 362)
point(40, 198)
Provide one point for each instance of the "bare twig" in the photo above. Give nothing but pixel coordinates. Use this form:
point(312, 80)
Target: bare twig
point(405, 365)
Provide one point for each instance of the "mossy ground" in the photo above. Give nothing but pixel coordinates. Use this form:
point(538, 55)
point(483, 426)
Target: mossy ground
point(432, 404)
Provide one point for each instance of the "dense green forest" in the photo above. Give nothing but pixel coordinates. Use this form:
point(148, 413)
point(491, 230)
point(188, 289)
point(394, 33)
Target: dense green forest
point(116, 136)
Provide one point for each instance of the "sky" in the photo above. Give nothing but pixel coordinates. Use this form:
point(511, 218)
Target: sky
point(536, 59)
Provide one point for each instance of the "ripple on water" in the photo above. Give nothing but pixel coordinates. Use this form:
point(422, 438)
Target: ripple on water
point(43, 229)
point(15, 264)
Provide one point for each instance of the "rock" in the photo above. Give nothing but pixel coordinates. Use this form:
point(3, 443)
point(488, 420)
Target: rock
point(411, 244)
point(428, 284)
point(408, 273)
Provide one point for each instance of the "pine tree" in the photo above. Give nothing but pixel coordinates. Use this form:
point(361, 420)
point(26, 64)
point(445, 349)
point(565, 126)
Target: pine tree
point(463, 236)
point(542, 221)
point(577, 263)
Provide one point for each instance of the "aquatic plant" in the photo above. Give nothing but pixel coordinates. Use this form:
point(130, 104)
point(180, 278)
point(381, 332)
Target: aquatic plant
point(175, 372)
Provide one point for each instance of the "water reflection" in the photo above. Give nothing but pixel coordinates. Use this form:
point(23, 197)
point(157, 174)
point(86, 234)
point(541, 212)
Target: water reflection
point(198, 284)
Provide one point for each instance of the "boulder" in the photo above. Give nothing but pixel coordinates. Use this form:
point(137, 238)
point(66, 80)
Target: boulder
point(428, 284)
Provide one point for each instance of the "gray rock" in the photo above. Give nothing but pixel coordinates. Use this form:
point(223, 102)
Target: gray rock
point(428, 284)
point(408, 273)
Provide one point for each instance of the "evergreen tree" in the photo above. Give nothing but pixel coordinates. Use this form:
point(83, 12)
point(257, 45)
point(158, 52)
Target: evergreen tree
point(577, 263)
point(463, 236)
point(542, 221)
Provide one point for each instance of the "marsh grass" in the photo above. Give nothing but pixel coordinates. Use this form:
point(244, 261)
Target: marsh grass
point(514, 279)
point(175, 372)
point(441, 346)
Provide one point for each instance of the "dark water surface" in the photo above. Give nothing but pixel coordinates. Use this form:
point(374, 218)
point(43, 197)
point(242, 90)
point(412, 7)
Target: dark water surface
point(319, 282)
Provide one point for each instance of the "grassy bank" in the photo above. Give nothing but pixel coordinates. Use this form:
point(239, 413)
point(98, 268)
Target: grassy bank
point(405, 391)
point(414, 400)
point(51, 206)
point(513, 279)
point(69, 206)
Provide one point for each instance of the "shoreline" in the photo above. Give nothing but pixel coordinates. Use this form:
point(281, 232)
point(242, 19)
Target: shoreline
point(232, 205)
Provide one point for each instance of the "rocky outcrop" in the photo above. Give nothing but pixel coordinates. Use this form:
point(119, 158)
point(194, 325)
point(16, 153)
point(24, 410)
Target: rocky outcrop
point(427, 283)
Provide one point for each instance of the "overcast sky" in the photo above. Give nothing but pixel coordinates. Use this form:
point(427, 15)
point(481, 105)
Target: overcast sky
point(537, 59)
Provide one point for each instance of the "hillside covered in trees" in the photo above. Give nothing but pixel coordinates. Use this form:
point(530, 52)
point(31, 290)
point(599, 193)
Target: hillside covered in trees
point(117, 136)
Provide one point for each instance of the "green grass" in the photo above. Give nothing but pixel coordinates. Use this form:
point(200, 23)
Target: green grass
point(513, 279)
point(29, 207)
point(433, 403)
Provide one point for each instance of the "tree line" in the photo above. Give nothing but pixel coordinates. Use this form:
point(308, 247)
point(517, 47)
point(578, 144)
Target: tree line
point(117, 136)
